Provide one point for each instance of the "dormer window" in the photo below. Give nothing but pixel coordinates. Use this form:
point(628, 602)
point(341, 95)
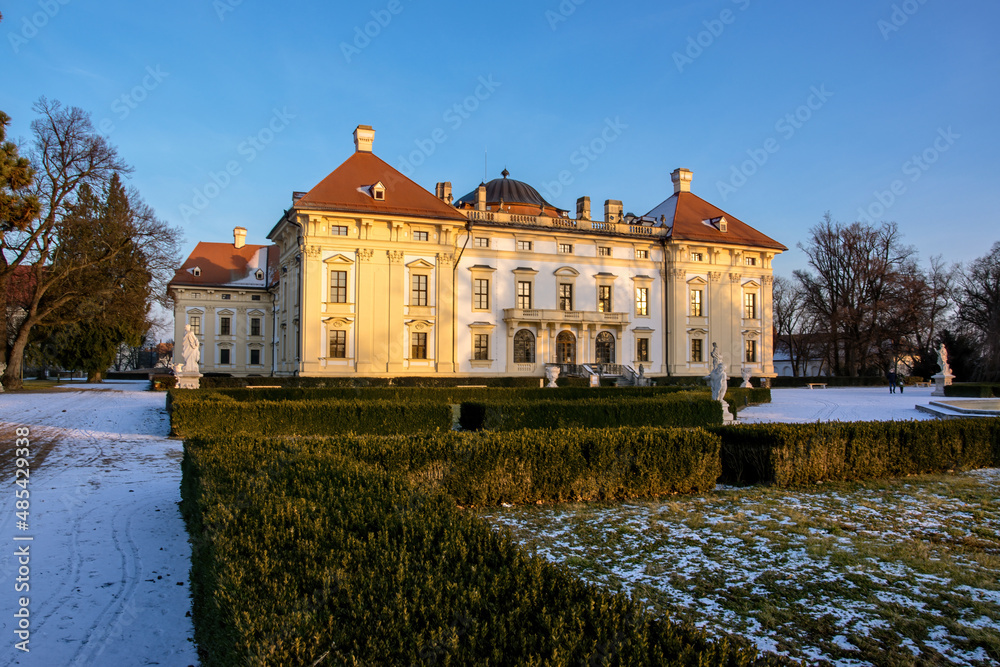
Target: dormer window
point(378, 191)
point(259, 275)
point(719, 223)
point(196, 271)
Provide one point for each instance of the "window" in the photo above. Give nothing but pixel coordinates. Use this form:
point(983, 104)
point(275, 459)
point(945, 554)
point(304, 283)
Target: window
point(418, 293)
point(195, 322)
point(751, 261)
point(421, 236)
point(338, 287)
point(224, 356)
point(524, 245)
point(196, 271)
point(259, 274)
point(751, 351)
point(642, 349)
point(566, 248)
point(379, 194)
point(481, 347)
point(603, 251)
point(524, 295)
point(254, 326)
point(697, 350)
point(255, 357)
point(565, 296)
point(750, 305)
point(697, 257)
point(482, 242)
point(524, 347)
point(604, 298)
point(226, 297)
point(696, 310)
point(225, 326)
point(642, 301)
point(418, 346)
point(338, 345)
point(481, 294)
point(255, 297)
point(338, 230)
point(642, 254)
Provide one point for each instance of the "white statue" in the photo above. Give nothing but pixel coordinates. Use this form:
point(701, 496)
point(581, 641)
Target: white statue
point(190, 349)
point(718, 378)
point(552, 374)
point(943, 360)
point(747, 373)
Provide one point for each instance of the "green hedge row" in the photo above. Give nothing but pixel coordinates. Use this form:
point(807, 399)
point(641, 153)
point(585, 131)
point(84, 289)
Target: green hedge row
point(303, 556)
point(217, 414)
point(220, 381)
point(686, 408)
point(452, 395)
point(796, 454)
point(972, 390)
point(738, 398)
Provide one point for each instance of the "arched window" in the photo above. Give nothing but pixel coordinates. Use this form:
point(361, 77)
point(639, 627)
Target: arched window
point(565, 348)
point(524, 347)
point(605, 348)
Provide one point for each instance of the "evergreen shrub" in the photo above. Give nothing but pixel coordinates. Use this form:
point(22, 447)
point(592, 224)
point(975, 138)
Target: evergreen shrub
point(797, 454)
point(685, 408)
point(304, 556)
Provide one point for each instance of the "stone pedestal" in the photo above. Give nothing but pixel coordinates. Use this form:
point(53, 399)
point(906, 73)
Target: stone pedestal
point(941, 380)
point(188, 380)
point(727, 416)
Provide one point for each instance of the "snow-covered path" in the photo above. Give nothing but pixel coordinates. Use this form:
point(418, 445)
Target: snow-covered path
point(844, 404)
point(109, 558)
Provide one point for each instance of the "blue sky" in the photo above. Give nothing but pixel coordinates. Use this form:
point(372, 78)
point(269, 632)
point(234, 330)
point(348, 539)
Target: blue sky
point(875, 110)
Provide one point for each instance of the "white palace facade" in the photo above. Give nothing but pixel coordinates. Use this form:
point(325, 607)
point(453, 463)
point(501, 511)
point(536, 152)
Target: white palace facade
point(369, 274)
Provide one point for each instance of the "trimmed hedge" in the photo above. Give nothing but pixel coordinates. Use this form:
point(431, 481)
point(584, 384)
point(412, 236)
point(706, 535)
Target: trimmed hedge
point(738, 398)
point(215, 414)
point(451, 395)
point(972, 390)
point(796, 454)
point(222, 380)
point(303, 556)
point(686, 408)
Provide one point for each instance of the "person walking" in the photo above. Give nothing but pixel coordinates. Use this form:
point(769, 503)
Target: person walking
point(891, 375)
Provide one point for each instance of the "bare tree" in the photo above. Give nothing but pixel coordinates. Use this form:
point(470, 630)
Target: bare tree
point(68, 154)
point(791, 320)
point(978, 295)
point(860, 292)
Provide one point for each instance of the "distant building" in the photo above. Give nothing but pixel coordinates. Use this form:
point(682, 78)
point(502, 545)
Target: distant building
point(369, 274)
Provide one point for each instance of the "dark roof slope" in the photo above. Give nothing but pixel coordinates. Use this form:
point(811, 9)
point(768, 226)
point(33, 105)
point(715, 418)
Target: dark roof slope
point(511, 192)
point(225, 265)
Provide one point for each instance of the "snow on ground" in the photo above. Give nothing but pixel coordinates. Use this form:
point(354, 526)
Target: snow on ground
point(109, 560)
point(844, 404)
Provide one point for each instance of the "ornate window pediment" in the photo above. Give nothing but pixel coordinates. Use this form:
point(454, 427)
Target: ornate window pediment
point(420, 325)
point(566, 272)
point(698, 332)
point(751, 284)
point(338, 259)
point(338, 322)
point(697, 281)
point(420, 264)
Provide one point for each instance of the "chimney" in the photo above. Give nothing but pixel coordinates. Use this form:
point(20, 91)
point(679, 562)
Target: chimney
point(481, 197)
point(682, 180)
point(364, 137)
point(239, 237)
point(583, 208)
point(443, 192)
point(612, 210)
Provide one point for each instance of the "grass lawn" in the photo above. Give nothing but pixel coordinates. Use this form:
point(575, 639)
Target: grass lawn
point(894, 572)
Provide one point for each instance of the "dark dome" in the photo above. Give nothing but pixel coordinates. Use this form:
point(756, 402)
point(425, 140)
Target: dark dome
point(509, 191)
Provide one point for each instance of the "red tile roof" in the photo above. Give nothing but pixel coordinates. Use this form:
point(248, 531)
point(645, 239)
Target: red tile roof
point(687, 212)
point(346, 189)
point(225, 265)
